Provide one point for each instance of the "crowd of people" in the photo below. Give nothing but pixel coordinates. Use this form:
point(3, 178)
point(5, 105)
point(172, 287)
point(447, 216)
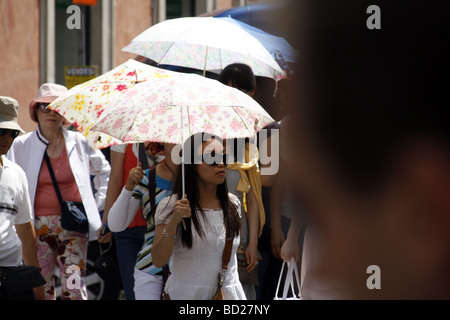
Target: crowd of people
point(363, 180)
point(167, 244)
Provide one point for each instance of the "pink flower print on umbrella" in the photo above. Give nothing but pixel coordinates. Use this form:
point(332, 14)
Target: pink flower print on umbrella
point(121, 87)
point(226, 114)
point(208, 128)
point(211, 110)
point(144, 128)
point(192, 119)
point(117, 124)
point(172, 116)
point(151, 98)
point(173, 130)
point(236, 125)
point(99, 113)
point(158, 111)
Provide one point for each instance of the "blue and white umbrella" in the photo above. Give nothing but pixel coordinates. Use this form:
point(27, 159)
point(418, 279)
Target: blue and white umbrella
point(278, 47)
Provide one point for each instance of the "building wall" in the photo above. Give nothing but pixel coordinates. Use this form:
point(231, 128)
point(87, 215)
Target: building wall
point(20, 42)
point(131, 17)
point(19, 56)
point(224, 4)
point(139, 12)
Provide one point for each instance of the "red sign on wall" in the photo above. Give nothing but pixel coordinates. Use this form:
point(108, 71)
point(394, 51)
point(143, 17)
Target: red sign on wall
point(85, 2)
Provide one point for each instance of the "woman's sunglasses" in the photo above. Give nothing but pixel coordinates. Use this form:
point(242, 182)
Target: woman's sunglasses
point(43, 107)
point(13, 133)
point(211, 158)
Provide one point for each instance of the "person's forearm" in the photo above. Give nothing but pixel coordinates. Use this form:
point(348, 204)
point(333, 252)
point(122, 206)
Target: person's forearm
point(28, 238)
point(253, 218)
point(123, 211)
point(294, 228)
point(163, 245)
point(115, 182)
point(166, 233)
point(277, 193)
point(276, 199)
point(114, 189)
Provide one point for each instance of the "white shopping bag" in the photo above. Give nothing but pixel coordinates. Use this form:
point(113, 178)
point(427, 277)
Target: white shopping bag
point(291, 281)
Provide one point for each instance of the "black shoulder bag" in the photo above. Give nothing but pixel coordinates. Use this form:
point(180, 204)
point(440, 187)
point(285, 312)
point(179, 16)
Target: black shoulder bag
point(73, 214)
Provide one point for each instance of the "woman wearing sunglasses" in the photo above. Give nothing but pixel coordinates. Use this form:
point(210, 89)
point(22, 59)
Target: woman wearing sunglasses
point(211, 216)
point(244, 181)
point(73, 162)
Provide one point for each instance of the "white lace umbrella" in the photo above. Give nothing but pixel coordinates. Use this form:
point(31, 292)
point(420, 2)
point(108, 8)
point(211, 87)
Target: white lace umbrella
point(204, 43)
point(170, 109)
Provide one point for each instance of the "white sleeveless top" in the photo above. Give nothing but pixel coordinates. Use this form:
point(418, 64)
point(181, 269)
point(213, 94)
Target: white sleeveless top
point(194, 272)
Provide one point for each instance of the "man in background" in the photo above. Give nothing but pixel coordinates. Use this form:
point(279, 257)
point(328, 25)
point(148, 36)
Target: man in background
point(17, 237)
point(371, 135)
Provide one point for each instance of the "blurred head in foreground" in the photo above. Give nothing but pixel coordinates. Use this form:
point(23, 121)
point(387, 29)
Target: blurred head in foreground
point(371, 129)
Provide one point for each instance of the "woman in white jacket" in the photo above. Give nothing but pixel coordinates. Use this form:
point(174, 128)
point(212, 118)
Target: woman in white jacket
point(73, 162)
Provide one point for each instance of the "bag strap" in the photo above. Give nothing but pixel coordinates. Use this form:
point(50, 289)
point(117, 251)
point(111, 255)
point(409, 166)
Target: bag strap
point(152, 195)
point(289, 281)
point(151, 189)
point(143, 156)
point(279, 278)
point(226, 256)
point(52, 174)
point(227, 253)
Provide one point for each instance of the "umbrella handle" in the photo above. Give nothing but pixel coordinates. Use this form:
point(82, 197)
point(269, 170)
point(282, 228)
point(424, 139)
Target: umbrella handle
point(182, 180)
point(182, 164)
point(182, 154)
point(206, 58)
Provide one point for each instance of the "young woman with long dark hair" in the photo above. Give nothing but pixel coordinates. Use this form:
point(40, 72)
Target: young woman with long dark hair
point(244, 180)
point(211, 216)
